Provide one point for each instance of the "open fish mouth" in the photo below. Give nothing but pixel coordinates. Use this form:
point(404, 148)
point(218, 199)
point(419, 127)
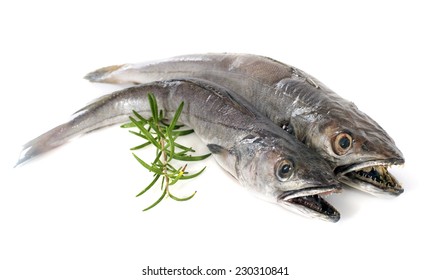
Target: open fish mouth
point(372, 177)
point(309, 202)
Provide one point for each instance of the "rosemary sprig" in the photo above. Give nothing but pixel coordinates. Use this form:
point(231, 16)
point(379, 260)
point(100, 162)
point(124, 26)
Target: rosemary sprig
point(163, 135)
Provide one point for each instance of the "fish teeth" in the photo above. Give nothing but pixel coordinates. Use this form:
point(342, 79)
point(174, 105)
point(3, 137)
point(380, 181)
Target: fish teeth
point(377, 175)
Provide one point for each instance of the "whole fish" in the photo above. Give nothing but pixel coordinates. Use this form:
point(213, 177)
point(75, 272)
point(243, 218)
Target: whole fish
point(357, 148)
point(259, 154)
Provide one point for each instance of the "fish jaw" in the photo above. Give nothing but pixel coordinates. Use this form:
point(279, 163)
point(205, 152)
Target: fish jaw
point(372, 177)
point(309, 202)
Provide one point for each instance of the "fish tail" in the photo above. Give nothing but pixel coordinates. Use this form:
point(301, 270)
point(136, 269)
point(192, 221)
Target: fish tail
point(105, 74)
point(107, 110)
point(196, 66)
point(46, 142)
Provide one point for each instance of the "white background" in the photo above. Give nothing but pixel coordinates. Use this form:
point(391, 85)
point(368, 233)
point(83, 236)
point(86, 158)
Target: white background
point(72, 214)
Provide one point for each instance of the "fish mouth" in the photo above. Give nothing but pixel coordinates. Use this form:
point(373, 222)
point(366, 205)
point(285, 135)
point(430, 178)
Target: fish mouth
point(309, 202)
point(372, 177)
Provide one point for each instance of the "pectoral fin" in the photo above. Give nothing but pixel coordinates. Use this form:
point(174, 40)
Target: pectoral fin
point(217, 149)
point(222, 156)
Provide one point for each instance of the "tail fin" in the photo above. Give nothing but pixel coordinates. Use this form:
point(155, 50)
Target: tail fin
point(104, 75)
point(46, 142)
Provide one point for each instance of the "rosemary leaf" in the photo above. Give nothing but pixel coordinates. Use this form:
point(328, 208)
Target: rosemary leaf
point(165, 124)
point(171, 146)
point(182, 132)
point(154, 109)
point(188, 149)
point(156, 178)
point(142, 120)
point(157, 159)
point(186, 177)
point(140, 146)
point(128, 125)
point(147, 134)
point(176, 117)
point(181, 199)
point(147, 166)
point(190, 158)
point(138, 134)
point(157, 201)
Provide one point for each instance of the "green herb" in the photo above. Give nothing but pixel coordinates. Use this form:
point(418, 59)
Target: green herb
point(162, 135)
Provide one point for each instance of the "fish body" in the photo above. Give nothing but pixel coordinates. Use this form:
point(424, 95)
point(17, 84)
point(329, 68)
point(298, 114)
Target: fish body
point(358, 148)
point(258, 153)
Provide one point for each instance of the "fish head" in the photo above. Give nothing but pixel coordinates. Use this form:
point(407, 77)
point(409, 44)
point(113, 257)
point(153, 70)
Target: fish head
point(359, 149)
point(289, 174)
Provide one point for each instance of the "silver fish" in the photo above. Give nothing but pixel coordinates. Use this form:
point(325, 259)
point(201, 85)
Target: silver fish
point(359, 150)
point(259, 154)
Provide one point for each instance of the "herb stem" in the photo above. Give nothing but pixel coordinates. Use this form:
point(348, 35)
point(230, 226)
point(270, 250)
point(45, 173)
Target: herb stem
point(162, 135)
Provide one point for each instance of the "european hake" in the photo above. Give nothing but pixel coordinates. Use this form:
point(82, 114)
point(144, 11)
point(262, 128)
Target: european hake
point(359, 150)
point(258, 153)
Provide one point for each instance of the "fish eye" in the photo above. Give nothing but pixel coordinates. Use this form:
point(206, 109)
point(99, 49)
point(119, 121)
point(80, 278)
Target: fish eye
point(283, 170)
point(342, 143)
